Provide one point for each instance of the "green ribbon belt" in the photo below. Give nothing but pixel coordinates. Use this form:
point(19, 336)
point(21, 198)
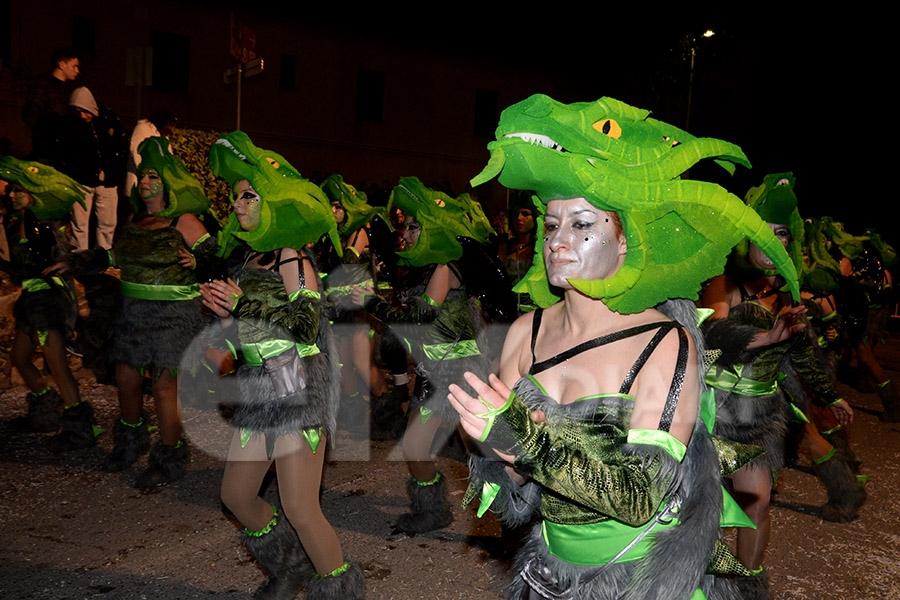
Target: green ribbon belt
point(36, 285)
point(451, 350)
point(169, 293)
point(733, 381)
point(596, 544)
point(660, 439)
point(255, 353)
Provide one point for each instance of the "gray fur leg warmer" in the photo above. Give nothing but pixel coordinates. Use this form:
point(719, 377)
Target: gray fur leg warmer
point(846, 493)
point(282, 557)
point(77, 429)
point(347, 585)
point(430, 509)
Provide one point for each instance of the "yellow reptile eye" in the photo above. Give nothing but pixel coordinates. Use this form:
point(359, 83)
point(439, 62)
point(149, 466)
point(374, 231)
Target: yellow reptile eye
point(440, 202)
point(609, 127)
point(33, 169)
point(273, 162)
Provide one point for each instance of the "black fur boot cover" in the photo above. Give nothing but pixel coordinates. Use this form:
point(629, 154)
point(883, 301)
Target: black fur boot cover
point(165, 464)
point(281, 556)
point(430, 509)
point(43, 411)
point(348, 585)
point(846, 493)
point(77, 429)
point(130, 442)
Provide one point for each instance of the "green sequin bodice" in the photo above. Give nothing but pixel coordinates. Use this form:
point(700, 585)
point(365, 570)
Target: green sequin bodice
point(265, 311)
point(150, 257)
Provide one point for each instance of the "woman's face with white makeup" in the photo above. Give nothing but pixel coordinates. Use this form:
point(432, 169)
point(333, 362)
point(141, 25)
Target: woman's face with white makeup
point(580, 242)
point(247, 205)
point(758, 258)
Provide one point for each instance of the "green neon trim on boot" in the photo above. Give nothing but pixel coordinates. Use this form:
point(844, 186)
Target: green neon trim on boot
point(267, 529)
point(339, 571)
point(825, 458)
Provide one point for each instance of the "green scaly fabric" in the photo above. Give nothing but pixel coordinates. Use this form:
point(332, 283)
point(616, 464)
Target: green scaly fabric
point(678, 231)
point(294, 211)
point(53, 192)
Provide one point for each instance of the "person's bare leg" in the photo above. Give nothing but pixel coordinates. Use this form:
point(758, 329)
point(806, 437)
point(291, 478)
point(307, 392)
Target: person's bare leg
point(20, 356)
point(417, 443)
point(55, 357)
point(752, 491)
point(168, 408)
point(299, 471)
point(131, 395)
point(245, 470)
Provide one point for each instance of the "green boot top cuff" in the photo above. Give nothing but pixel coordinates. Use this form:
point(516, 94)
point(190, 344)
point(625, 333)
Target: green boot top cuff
point(267, 528)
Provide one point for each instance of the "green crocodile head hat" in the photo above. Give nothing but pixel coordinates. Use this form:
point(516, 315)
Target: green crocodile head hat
point(186, 194)
point(354, 202)
point(294, 212)
point(887, 252)
point(479, 225)
point(54, 193)
point(615, 156)
point(442, 219)
point(775, 202)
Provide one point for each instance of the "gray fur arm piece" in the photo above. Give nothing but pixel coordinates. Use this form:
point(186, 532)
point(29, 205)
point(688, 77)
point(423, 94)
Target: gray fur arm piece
point(732, 339)
point(88, 262)
point(514, 504)
point(419, 311)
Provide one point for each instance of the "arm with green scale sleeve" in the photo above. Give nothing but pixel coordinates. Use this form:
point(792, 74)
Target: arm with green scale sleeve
point(626, 485)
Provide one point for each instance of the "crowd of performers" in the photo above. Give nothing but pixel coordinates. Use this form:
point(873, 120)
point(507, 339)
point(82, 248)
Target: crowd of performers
point(665, 342)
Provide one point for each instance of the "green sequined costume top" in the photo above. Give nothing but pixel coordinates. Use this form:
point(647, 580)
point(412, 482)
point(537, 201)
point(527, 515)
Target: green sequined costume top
point(441, 339)
point(749, 407)
point(268, 323)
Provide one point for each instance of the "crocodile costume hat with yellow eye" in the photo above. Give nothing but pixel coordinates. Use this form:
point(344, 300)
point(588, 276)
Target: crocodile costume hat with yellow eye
point(678, 232)
point(185, 193)
point(294, 212)
point(821, 272)
point(442, 219)
point(775, 202)
point(354, 202)
point(54, 193)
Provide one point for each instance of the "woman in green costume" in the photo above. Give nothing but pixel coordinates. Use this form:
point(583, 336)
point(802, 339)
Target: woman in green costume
point(271, 315)
point(157, 254)
point(440, 324)
point(759, 327)
point(46, 310)
point(598, 420)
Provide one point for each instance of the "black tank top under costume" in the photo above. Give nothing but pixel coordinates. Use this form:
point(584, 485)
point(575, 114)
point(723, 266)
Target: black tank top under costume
point(662, 327)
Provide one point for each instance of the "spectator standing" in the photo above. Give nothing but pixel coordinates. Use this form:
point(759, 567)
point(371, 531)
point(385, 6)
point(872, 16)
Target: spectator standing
point(91, 150)
point(47, 103)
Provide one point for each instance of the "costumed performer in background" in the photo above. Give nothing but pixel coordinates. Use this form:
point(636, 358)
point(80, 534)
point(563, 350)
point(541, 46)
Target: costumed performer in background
point(271, 313)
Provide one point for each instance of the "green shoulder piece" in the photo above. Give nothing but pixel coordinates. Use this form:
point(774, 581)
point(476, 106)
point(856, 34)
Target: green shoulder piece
point(821, 272)
point(441, 218)
point(54, 193)
point(294, 211)
point(186, 193)
point(615, 156)
point(354, 202)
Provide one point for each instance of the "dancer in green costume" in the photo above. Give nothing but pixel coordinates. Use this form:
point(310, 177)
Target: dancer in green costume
point(45, 312)
point(157, 254)
point(440, 326)
point(598, 417)
point(272, 317)
point(758, 327)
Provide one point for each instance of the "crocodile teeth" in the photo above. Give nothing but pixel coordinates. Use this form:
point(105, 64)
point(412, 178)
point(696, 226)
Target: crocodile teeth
point(536, 138)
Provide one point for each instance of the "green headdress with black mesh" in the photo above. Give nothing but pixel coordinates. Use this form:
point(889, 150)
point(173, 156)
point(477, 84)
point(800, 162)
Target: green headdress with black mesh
point(54, 193)
point(294, 212)
point(678, 232)
point(354, 202)
point(185, 192)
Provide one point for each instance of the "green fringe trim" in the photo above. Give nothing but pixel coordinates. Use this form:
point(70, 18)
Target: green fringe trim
point(427, 483)
point(41, 393)
point(339, 571)
point(132, 425)
point(267, 528)
point(825, 458)
point(884, 383)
